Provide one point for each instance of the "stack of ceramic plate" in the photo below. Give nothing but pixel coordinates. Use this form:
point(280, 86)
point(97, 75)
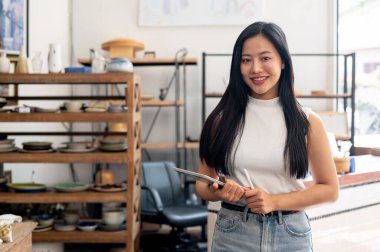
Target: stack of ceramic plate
point(7, 145)
point(85, 146)
point(37, 147)
point(113, 144)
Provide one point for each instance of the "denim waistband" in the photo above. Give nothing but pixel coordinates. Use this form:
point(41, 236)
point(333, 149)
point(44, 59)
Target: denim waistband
point(242, 209)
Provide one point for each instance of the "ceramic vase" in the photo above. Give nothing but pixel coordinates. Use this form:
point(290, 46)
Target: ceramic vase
point(37, 63)
point(54, 59)
point(4, 63)
point(98, 63)
point(22, 62)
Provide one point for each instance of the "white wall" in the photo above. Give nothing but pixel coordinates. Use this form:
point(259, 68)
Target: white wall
point(309, 25)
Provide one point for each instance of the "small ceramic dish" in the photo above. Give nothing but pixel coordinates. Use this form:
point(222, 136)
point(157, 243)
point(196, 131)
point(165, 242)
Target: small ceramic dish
point(61, 226)
point(87, 226)
point(45, 220)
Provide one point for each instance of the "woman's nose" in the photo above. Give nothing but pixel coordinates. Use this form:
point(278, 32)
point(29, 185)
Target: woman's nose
point(256, 67)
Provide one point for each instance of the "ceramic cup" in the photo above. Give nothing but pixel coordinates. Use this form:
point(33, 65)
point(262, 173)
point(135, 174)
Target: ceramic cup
point(70, 217)
point(73, 105)
point(113, 216)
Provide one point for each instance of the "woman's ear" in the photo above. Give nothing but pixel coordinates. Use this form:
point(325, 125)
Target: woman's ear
point(282, 65)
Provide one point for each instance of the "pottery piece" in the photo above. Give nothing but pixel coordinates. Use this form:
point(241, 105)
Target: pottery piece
point(22, 62)
point(5, 64)
point(113, 216)
point(54, 59)
point(37, 63)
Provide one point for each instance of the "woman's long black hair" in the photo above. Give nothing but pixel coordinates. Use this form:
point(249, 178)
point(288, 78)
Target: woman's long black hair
point(226, 121)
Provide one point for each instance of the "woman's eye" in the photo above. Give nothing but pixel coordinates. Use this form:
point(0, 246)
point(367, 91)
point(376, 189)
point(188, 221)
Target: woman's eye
point(265, 59)
point(245, 60)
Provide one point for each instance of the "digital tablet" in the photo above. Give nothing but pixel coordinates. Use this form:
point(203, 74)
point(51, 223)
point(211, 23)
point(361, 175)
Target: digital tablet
point(200, 176)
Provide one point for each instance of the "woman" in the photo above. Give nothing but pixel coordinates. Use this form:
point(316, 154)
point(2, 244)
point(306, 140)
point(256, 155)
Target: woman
point(259, 126)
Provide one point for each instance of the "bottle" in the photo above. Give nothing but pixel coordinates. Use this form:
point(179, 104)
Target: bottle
point(22, 62)
point(4, 63)
point(37, 63)
point(54, 58)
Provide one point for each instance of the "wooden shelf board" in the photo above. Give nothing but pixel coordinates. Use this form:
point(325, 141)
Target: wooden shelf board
point(214, 95)
point(77, 97)
point(80, 237)
point(186, 145)
point(162, 103)
point(66, 78)
point(64, 117)
point(62, 197)
point(149, 62)
point(57, 157)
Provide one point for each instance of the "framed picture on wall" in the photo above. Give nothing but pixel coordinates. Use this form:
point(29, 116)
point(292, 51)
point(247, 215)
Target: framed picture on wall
point(13, 26)
point(13, 34)
point(199, 12)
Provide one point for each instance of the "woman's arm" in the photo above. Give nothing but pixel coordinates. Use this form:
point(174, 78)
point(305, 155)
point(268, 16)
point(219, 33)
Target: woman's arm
point(230, 192)
point(325, 187)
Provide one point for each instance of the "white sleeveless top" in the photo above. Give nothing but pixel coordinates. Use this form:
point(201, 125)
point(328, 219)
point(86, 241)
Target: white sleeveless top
point(261, 147)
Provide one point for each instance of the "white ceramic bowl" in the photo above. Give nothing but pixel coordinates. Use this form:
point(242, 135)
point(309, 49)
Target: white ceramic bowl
point(70, 217)
point(73, 105)
point(113, 216)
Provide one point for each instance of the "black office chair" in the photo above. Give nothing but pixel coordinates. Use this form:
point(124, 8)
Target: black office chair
point(163, 201)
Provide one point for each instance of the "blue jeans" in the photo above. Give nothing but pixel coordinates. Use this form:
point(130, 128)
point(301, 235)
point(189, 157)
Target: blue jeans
point(244, 231)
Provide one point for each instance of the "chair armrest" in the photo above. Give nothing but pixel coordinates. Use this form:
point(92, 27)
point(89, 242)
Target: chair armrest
point(155, 196)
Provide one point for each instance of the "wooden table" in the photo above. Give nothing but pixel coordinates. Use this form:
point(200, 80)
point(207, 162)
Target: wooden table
point(22, 238)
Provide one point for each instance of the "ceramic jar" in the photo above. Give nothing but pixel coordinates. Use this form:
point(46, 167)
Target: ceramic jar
point(4, 63)
point(37, 63)
point(22, 62)
point(54, 59)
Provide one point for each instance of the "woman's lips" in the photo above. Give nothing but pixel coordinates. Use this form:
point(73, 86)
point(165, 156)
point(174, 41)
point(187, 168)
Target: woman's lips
point(259, 80)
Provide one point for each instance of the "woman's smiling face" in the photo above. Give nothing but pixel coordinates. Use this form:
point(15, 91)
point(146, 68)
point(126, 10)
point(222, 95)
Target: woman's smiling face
point(261, 66)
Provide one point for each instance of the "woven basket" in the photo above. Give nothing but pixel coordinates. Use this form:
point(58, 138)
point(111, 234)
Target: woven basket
point(342, 165)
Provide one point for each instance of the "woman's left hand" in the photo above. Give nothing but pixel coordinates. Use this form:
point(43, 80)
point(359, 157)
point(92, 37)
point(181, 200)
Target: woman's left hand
point(259, 201)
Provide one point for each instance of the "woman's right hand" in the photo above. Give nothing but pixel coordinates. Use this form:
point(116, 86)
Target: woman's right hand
point(231, 191)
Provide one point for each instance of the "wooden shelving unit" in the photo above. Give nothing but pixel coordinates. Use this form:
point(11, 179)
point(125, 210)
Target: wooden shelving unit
point(131, 158)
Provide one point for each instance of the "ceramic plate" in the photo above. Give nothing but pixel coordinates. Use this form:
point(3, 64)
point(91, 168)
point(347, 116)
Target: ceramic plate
point(109, 188)
point(47, 110)
point(71, 187)
point(95, 110)
point(3, 150)
point(36, 151)
point(27, 187)
point(41, 228)
point(66, 150)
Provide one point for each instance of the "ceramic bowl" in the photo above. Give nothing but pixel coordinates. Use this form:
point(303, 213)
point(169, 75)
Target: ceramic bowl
point(113, 216)
point(87, 225)
point(71, 217)
point(45, 220)
point(73, 106)
point(119, 65)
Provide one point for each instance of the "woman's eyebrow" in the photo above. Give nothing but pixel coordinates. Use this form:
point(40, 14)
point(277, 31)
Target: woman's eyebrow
point(260, 53)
